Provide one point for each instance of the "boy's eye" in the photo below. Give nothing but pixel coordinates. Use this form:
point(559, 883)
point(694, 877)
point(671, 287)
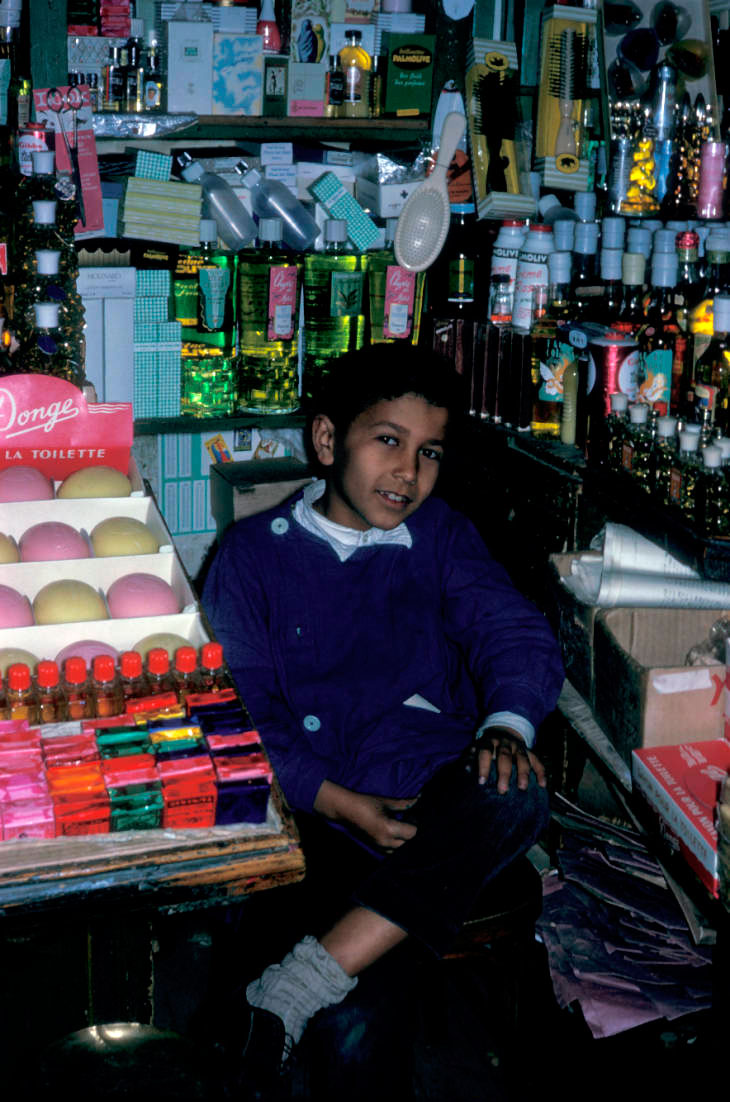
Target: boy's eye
point(433, 453)
point(390, 440)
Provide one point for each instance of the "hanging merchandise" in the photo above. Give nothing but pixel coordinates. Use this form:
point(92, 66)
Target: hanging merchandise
point(269, 283)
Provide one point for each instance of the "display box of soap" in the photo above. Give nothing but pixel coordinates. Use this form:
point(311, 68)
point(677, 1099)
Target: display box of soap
point(83, 515)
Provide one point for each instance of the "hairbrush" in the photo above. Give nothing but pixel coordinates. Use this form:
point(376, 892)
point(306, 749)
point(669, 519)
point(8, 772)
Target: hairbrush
point(494, 111)
point(566, 71)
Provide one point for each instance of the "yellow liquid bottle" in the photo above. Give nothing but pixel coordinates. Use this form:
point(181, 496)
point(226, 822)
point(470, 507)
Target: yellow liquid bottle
point(356, 65)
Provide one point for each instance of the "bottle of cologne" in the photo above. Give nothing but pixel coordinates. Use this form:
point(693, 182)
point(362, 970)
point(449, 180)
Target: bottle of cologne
point(682, 491)
point(356, 65)
point(395, 295)
point(551, 354)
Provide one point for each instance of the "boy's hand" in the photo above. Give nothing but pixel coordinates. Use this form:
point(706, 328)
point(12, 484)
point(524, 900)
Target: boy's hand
point(507, 749)
point(371, 815)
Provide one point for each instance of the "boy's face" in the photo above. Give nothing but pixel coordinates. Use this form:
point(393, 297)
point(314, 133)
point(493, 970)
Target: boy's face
point(387, 464)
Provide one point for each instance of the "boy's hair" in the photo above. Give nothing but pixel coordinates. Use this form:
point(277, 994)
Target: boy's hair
point(383, 372)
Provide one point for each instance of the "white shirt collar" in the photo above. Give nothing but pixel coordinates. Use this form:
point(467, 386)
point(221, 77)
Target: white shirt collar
point(343, 541)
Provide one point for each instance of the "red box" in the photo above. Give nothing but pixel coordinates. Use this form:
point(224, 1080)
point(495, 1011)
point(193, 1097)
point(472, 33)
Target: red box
point(682, 785)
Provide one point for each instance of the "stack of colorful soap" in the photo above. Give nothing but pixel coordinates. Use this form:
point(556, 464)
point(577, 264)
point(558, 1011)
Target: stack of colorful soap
point(26, 808)
point(128, 766)
point(186, 771)
point(242, 770)
point(76, 784)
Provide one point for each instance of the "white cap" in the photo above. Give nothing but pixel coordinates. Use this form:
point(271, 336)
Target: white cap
point(666, 426)
point(619, 402)
point(137, 28)
point(563, 233)
point(689, 441)
point(46, 315)
point(44, 211)
point(693, 428)
point(209, 230)
point(271, 229)
point(638, 240)
point(633, 266)
point(559, 267)
point(638, 413)
point(611, 264)
point(586, 237)
point(664, 269)
point(548, 203)
point(712, 456)
point(677, 226)
point(47, 261)
point(584, 203)
point(723, 443)
point(664, 241)
point(721, 314)
point(192, 172)
point(613, 230)
point(335, 229)
point(652, 224)
point(44, 162)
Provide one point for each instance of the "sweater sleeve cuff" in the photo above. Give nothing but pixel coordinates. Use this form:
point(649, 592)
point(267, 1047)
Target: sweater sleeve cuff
point(510, 719)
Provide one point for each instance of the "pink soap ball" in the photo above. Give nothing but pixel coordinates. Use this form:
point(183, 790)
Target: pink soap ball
point(15, 610)
point(141, 595)
point(24, 484)
point(88, 649)
point(52, 540)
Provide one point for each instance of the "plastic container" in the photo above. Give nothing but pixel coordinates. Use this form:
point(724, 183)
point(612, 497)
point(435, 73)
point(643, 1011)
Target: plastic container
point(272, 199)
point(236, 227)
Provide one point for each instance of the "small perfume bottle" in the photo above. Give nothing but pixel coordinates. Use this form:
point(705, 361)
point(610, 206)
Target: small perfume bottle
point(212, 675)
point(76, 689)
point(106, 689)
point(268, 29)
point(20, 695)
point(49, 698)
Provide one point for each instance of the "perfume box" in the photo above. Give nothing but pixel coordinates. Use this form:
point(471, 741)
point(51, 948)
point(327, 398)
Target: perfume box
point(190, 67)
point(408, 73)
point(306, 89)
point(238, 74)
point(276, 85)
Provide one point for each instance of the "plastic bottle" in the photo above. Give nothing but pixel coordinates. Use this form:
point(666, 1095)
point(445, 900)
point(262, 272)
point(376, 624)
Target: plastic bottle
point(552, 210)
point(48, 696)
point(532, 279)
point(273, 199)
point(712, 507)
point(638, 447)
point(236, 227)
point(20, 696)
point(505, 255)
point(106, 690)
point(682, 488)
point(269, 285)
point(395, 295)
point(665, 452)
point(76, 689)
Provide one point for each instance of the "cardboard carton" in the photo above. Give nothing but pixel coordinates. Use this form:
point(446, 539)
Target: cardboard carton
point(644, 694)
point(242, 489)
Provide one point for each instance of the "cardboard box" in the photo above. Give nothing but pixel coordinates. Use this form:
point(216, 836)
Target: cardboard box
point(644, 695)
point(408, 73)
point(573, 623)
point(190, 67)
point(242, 489)
point(384, 200)
point(682, 785)
point(238, 74)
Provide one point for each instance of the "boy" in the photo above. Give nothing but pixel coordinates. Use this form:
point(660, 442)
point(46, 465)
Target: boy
point(395, 674)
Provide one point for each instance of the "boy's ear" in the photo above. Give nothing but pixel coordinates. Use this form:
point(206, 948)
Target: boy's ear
point(323, 439)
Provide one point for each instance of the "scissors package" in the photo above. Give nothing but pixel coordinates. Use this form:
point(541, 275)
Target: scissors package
point(67, 111)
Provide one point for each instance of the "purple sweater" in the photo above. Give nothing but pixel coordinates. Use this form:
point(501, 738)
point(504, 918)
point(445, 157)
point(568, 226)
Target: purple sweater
point(324, 653)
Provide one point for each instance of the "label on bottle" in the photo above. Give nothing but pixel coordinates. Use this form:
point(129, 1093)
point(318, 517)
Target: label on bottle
point(675, 485)
point(400, 293)
point(656, 379)
point(504, 262)
point(282, 302)
point(532, 273)
point(705, 397)
point(627, 455)
point(346, 291)
point(558, 357)
point(461, 279)
point(152, 94)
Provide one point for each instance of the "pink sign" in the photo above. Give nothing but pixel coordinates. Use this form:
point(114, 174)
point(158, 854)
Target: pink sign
point(75, 140)
point(47, 423)
point(400, 289)
point(282, 302)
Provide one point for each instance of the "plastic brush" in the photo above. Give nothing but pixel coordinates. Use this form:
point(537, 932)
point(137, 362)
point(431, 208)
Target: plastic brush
point(566, 79)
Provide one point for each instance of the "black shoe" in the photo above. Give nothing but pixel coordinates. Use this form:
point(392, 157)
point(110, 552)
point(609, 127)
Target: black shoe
point(255, 1059)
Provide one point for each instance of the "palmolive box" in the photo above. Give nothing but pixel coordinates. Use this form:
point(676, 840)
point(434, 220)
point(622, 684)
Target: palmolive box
point(644, 694)
point(682, 785)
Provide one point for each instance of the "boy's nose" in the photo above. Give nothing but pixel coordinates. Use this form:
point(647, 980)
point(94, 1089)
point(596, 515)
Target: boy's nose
point(407, 468)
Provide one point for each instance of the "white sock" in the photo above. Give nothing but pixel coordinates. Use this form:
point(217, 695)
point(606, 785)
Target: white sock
point(307, 980)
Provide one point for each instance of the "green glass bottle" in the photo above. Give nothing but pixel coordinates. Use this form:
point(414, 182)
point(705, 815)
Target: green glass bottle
point(334, 286)
point(269, 286)
point(395, 295)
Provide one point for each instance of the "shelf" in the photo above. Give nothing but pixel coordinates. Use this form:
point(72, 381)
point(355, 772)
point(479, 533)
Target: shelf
point(153, 426)
point(260, 129)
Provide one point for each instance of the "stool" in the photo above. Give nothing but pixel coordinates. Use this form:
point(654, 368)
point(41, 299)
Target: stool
point(127, 1060)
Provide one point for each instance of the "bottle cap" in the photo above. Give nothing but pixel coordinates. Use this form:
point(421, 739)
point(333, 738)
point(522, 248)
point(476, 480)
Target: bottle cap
point(18, 676)
point(151, 37)
point(677, 226)
point(547, 204)
point(43, 162)
point(718, 241)
point(209, 230)
point(638, 240)
point(688, 240)
point(689, 441)
point(584, 203)
point(559, 265)
point(611, 264)
point(130, 663)
point(619, 402)
point(158, 660)
point(74, 670)
point(46, 315)
point(270, 229)
point(586, 237)
point(512, 223)
point(664, 241)
point(652, 224)
point(103, 668)
point(335, 229)
point(712, 456)
point(137, 28)
point(638, 413)
point(666, 426)
point(721, 314)
point(613, 230)
point(47, 261)
point(192, 170)
point(47, 674)
point(44, 212)
point(723, 443)
point(693, 429)
point(633, 266)
point(211, 656)
point(564, 234)
point(186, 660)
point(664, 269)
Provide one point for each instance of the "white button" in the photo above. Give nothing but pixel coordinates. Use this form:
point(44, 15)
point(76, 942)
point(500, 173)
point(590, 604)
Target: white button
point(311, 723)
point(279, 526)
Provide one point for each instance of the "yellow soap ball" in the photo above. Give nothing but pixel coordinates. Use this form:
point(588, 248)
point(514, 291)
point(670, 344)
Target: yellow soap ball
point(10, 655)
point(8, 549)
point(123, 536)
point(68, 602)
point(95, 482)
point(167, 639)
